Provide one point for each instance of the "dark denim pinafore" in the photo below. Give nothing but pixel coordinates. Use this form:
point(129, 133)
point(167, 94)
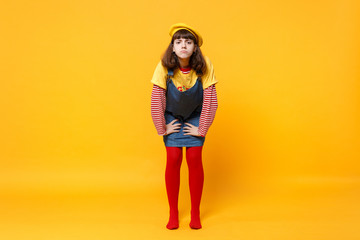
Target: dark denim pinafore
point(186, 107)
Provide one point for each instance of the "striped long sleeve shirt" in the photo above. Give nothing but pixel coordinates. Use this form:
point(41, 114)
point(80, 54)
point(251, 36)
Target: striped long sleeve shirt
point(158, 106)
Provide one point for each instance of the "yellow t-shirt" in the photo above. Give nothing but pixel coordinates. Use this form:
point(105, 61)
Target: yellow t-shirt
point(184, 81)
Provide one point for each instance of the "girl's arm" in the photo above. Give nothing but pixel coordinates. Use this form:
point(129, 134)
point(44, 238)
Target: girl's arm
point(158, 105)
point(208, 111)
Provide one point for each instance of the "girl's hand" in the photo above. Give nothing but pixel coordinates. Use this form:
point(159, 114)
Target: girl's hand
point(172, 127)
point(191, 130)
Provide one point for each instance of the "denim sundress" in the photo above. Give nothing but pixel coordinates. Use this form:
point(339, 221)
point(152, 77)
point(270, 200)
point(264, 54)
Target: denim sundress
point(186, 107)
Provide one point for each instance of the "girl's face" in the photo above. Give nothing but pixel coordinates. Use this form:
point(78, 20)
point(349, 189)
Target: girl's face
point(184, 48)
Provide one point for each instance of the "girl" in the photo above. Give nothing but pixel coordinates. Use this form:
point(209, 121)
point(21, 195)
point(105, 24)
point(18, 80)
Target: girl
point(183, 106)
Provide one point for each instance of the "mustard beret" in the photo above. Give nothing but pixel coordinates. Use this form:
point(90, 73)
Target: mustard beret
point(178, 26)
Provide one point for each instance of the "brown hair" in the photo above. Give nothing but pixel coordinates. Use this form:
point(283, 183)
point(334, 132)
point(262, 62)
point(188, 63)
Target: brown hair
point(197, 61)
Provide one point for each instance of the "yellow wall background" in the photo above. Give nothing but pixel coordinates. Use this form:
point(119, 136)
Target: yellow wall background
point(80, 157)
point(75, 92)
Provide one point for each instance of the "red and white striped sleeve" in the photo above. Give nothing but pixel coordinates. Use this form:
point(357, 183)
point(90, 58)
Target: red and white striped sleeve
point(158, 106)
point(208, 111)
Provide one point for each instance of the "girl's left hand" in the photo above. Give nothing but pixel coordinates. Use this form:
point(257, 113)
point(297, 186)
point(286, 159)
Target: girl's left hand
point(191, 130)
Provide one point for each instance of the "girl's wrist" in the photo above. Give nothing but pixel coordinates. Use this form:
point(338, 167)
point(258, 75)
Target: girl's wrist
point(200, 134)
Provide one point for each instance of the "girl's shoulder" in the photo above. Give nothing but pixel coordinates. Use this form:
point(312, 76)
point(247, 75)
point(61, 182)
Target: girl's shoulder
point(207, 60)
point(209, 77)
point(159, 77)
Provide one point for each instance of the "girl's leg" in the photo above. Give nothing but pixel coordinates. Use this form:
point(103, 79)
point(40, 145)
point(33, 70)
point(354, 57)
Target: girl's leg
point(172, 180)
point(196, 182)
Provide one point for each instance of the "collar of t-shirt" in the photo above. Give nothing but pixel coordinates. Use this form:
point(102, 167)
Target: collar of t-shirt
point(185, 70)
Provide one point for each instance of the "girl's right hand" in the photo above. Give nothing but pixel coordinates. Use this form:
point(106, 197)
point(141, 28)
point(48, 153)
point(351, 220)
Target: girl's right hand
point(172, 127)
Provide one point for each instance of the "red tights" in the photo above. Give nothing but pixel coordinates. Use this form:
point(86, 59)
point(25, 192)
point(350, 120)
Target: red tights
point(172, 180)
